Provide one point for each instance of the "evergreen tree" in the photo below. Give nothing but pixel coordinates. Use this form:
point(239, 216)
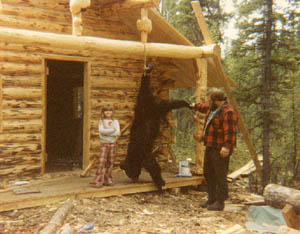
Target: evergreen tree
point(262, 65)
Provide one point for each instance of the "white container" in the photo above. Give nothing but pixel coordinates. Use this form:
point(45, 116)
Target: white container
point(184, 168)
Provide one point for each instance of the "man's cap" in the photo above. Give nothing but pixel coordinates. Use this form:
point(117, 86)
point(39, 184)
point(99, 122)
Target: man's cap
point(218, 95)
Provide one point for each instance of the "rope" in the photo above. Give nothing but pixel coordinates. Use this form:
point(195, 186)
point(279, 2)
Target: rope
point(145, 58)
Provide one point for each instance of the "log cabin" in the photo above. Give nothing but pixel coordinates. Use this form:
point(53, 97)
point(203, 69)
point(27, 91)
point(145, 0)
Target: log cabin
point(60, 65)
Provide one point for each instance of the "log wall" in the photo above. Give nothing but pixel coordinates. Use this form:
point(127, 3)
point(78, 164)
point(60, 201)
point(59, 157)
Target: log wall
point(114, 79)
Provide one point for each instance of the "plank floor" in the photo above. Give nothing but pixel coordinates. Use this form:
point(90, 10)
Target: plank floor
point(62, 187)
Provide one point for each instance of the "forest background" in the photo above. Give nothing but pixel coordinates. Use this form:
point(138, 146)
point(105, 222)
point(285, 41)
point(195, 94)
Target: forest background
point(263, 58)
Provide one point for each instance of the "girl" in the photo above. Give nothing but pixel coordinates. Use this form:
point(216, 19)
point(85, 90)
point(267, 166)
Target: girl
point(109, 131)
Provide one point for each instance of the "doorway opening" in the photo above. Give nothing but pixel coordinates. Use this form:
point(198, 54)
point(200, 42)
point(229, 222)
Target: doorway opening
point(64, 119)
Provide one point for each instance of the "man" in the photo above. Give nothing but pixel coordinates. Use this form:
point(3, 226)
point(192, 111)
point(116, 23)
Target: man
point(219, 136)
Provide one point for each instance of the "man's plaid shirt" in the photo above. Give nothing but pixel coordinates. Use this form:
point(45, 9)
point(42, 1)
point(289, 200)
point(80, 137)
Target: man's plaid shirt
point(222, 129)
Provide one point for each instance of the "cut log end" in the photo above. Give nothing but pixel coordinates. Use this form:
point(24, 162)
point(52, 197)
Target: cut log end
point(278, 196)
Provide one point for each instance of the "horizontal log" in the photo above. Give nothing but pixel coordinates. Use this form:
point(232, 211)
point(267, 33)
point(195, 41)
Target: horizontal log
point(104, 25)
point(46, 50)
point(118, 94)
point(21, 104)
point(36, 13)
point(106, 45)
point(14, 57)
point(130, 4)
point(20, 81)
point(8, 161)
point(99, 103)
point(35, 24)
point(19, 169)
point(50, 50)
point(113, 82)
point(55, 5)
point(118, 63)
point(106, 72)
point(22, 129)
point(22, 93)
point(20, 69)
point(88, 31)
point(19, 148)
point(120, 114)
point(22, 113)
point(278, 196)
point(18, 138)
point(22, 126)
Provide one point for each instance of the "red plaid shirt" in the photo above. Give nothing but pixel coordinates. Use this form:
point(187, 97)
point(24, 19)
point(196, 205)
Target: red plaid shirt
point(222, 129)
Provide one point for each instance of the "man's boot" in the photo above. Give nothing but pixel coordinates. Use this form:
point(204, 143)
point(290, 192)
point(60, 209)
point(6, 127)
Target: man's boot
point(218, 206)
point(206, 204)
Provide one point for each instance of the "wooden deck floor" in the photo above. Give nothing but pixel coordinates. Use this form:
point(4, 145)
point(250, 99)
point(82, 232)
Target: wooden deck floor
point(72, 186)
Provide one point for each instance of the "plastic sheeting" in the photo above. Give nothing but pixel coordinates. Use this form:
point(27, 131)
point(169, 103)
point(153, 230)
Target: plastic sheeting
point(264, 219)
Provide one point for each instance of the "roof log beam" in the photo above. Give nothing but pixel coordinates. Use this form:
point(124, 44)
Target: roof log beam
point(130, 48)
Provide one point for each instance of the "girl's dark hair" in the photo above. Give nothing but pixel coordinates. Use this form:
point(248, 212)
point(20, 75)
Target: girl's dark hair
point(107, 107)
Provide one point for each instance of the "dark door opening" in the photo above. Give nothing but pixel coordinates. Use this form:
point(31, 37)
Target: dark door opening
point(64, 141)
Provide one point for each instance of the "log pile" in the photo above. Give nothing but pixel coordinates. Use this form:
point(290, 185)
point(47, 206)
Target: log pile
point(244, 171)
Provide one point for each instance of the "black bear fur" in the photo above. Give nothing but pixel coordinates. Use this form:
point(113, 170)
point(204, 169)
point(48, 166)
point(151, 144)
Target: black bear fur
point(149, 112)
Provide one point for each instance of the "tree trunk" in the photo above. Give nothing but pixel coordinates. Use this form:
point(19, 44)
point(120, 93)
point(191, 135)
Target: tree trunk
point(294, 157)
point(278, 196)
point(267, 93)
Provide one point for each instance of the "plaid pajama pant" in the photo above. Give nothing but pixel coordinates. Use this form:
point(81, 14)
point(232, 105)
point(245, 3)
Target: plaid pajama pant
point(105, 165)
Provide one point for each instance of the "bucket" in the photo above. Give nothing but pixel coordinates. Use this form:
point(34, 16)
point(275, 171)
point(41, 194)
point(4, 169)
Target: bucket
point(184, 168)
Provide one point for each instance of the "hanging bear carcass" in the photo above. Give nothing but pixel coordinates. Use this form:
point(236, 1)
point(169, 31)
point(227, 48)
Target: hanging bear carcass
point(149, 113)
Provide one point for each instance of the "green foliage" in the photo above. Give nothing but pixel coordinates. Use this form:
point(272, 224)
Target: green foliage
point(180, 14)
point(245, 63)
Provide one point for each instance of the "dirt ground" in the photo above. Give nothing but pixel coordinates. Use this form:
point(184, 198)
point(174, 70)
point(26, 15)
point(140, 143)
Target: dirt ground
point(153, 212)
